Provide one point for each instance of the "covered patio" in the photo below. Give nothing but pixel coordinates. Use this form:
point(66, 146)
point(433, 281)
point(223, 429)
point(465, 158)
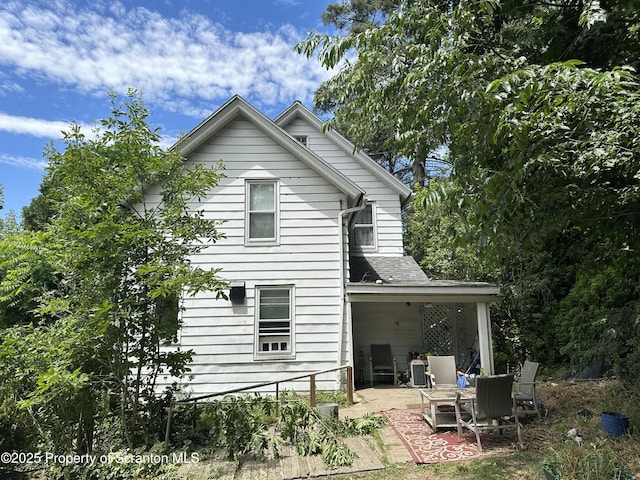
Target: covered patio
point(391, 301)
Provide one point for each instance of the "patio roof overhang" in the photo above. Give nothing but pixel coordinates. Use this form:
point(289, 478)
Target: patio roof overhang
point(438, 292)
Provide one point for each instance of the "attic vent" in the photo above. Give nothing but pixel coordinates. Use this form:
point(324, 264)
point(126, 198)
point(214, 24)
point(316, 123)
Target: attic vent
point(304, 140)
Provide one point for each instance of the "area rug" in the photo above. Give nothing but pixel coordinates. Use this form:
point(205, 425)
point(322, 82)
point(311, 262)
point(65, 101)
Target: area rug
point(424, 445)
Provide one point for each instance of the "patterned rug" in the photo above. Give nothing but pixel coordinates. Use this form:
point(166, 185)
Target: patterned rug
point(424, 445)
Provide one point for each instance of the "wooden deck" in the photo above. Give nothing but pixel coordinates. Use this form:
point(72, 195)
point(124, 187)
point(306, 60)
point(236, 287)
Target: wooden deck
point(293, 466)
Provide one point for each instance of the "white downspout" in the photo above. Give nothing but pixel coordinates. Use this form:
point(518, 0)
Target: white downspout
point(362, 204)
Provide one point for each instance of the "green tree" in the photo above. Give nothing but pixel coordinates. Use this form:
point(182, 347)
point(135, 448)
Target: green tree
point(9, 224)
point(432, 237)
point(357, 16)
point(38, 213)
point(125, 228)
point(27, 270)
point(542, 148)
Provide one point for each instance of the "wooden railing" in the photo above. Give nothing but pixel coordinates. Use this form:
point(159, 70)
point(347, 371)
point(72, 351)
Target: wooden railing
point(312, 392)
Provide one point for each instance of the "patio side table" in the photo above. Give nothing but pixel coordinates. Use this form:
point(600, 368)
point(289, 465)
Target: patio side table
point(438, 397)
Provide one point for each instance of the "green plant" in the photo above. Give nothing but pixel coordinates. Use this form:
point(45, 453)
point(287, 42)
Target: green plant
point(239, 424)
point(93, 299)
point(331, 397)
point(312, 435)
point(352, 427)
point(597, 461)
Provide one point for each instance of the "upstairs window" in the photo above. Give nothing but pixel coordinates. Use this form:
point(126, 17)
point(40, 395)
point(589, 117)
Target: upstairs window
point(303, 139)
point(364, 227)
point(274, 321)
point(262, 211)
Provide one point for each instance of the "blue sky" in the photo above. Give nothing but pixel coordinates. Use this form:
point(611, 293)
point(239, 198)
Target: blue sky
point(60, 58)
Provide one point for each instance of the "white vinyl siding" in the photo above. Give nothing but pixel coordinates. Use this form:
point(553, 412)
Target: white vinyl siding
point(226, 336)
point(274, 322)
point(388, 218)
point(222, 334)
point(261, 219)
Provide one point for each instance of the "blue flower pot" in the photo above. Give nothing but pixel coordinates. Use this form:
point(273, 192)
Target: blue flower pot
point(614, 424)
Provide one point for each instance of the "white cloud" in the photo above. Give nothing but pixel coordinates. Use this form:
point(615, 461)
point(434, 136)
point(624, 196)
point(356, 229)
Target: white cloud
point(287, 3)
point(30, 163)
point(173, 61)
point(32, 126)
point(52, 130)
point(8, 86)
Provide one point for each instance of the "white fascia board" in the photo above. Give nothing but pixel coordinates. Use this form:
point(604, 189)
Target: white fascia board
point(421, 293)
point(297, 109)
point(238, 106)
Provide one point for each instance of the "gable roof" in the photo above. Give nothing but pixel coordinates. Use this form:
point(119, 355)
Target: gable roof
point(238, 107)
point(299, 110)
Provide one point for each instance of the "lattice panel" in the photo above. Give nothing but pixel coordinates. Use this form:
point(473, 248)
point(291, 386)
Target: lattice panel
point(443, 329)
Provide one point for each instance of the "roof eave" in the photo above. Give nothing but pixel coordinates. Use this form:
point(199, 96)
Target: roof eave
point(239, 106)
point(298, 109)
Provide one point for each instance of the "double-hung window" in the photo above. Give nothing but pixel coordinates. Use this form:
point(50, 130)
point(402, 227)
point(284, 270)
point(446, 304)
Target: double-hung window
point(364, 235)
point(274, 321)
point(262, 211)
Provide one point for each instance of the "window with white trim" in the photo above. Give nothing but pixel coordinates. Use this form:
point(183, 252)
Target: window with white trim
point(274, 321)
point(262, 211)
point(364, 227)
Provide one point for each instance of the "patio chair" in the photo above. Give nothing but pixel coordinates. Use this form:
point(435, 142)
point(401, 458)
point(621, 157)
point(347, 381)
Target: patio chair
point(382, 363)
point(490, 409)
point(525, 391)
point(442, 370)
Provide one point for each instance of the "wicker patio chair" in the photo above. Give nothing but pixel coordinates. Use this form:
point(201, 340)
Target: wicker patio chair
point(492, 407)
point(525, 391)
point(442, 370)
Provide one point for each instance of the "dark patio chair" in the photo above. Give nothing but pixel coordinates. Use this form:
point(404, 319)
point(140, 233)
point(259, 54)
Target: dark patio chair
point(382, 363)
point(492, 408)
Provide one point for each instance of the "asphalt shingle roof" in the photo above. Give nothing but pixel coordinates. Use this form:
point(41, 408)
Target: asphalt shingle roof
point(388, 270)
point(396, 270)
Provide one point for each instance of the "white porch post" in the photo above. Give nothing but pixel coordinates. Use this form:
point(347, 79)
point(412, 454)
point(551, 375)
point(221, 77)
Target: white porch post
point(484, 338)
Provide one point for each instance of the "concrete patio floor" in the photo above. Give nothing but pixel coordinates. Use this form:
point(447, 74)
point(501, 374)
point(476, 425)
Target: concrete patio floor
point(379, 398)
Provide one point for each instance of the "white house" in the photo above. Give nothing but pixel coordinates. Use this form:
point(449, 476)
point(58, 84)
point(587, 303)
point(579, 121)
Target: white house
point(314, 256)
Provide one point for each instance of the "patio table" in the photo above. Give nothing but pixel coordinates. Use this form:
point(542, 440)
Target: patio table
point(442, 395)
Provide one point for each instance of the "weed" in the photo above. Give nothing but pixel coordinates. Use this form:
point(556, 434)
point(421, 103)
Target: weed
point(246, 425)
point(597, 461)
point(331, 397)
